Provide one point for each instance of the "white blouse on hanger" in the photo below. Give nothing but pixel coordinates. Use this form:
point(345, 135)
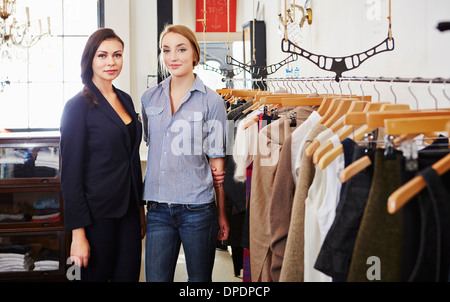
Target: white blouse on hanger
point(327, 212)
point(313, 242)
point(299, 137)
point(245, 146)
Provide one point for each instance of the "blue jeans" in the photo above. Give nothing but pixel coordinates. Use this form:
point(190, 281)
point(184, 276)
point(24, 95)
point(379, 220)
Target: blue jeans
point(169, 225)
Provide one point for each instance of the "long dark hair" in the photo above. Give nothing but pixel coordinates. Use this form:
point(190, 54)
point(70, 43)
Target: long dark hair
point(92, 44)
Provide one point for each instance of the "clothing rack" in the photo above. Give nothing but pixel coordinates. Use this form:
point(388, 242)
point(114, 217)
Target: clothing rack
point(398, 79)
point(294, 189)
point(312, 84)
point(436, 80)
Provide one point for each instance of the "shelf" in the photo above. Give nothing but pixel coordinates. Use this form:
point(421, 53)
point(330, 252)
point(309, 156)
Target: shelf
point(30, 207)
point(33, 242)
point(32, 254)
point(32, 160)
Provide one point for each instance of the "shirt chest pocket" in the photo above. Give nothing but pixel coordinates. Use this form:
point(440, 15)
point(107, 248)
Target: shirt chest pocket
point(153, 111)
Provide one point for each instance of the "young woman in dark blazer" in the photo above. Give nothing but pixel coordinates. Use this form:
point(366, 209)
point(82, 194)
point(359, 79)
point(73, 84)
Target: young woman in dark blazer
point(101, 173)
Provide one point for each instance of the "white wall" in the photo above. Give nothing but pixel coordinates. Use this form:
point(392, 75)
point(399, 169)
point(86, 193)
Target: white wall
point(117, 17)
point(135, 22)
point(144, 45)
point(346, 27)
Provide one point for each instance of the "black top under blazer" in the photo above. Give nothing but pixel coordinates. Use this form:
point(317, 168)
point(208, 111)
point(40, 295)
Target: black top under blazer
point(98, 164)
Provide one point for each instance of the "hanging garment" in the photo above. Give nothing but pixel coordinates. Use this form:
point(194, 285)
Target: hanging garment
point(280, 209)
point(426, 238)
point(337, 249)
point(292, 266)
point(270, 141)
point(245, 145)
point(248, 158)
point(313, 202)
point(299, 137)
point(244, 151)
point(235, 204)
point(234, 190)
point(380, 233)
point(434, 264)
point(284, 190)
point(327, 211)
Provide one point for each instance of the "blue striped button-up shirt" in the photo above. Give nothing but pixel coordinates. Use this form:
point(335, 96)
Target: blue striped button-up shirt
point(179, 145)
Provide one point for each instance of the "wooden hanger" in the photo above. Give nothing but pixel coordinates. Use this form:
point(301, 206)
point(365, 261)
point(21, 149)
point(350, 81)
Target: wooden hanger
point(327, 101)
point(256, 101)
point(377, 119)
point(334, 104)
point(238, 92)
point(336, 108)
point(324, 105)
point(301, 101)
point(355, 106)
point(360, 118)
point(277, 98)
point(286, 100)
point(354, 168)
point(396, 127)
point(232, 99)
point(223, 91)
point(330, 110)
point(416, 125)
point(344, 106)
point(331, 155)
point(245, 93)
point(407, 191)
point(317, 151)
point(264, 98)
point(356, 119)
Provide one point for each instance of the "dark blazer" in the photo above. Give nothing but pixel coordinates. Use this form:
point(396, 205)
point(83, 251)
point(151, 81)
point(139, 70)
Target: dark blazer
point(98, 164)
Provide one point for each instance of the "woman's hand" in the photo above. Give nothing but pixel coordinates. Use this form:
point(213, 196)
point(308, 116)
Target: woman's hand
point(224, 227)
point(80, 250)
point(218, 176)
point(143, 222)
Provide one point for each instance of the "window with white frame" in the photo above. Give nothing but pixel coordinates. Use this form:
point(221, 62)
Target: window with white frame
point(42, 78)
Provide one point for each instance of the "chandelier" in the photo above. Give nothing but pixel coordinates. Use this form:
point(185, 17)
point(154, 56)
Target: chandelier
point(14, 33)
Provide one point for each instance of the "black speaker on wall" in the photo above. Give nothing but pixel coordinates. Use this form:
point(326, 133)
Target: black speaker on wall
point(165, 16)
point(255, 51)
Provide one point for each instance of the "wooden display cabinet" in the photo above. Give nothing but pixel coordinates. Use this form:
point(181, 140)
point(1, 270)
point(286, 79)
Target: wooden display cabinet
point(33, 243)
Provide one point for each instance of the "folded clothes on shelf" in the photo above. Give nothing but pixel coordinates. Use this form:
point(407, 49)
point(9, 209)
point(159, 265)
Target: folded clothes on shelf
point(46, 208)
point(12, 217)
point(46, 265)
point(16, 257)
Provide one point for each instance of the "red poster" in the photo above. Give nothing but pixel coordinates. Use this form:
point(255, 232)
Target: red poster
point(216, 15)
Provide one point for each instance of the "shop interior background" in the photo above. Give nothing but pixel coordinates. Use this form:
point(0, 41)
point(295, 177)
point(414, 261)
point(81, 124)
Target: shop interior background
point(339, 28)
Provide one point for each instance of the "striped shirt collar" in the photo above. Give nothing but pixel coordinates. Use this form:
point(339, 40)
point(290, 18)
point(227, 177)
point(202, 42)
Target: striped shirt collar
point(197, 85)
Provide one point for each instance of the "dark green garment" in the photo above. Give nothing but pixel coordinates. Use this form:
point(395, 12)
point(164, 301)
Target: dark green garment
point(380, 233)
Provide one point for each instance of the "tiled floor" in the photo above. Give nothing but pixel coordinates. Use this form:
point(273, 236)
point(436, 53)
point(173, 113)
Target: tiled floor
point(223, 268)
